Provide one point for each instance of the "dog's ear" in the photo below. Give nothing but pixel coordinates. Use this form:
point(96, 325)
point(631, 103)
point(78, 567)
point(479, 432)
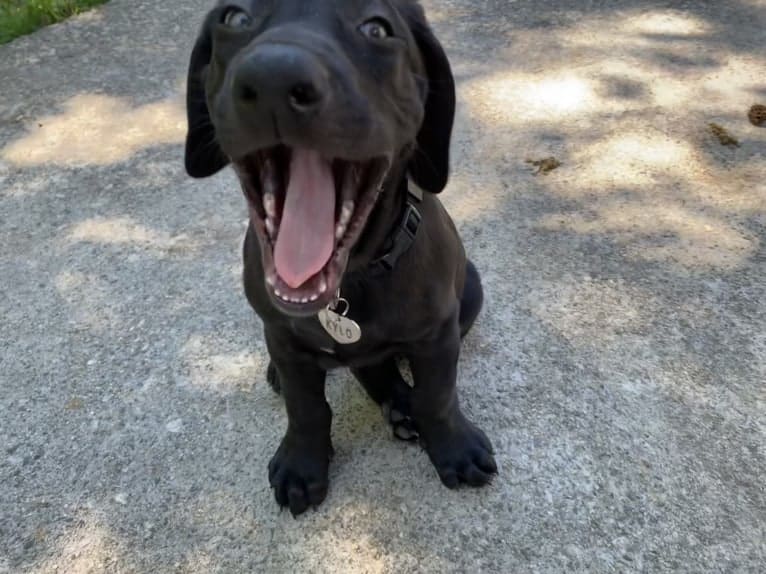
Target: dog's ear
point(429, 166)
point(202, 156)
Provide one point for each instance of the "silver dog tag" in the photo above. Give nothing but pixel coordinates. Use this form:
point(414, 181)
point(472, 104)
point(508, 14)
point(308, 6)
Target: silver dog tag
point(338, 326)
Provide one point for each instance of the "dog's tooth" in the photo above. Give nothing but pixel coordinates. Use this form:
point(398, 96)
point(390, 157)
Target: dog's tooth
point(270, 227)
point(268, 179)
point(323, 286)
point(314, 297)
point(295, 300)
point(277, 292)
point(270, 204)
point(304, 299)
point(269, 186)
point(346, 212)
point(271, 279)
point(340, 230)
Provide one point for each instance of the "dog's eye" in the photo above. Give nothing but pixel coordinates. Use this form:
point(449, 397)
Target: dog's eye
point(236, 18)
point(376, 28)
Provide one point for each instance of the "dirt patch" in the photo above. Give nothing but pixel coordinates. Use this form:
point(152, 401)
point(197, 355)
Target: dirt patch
point(757, 115)
point(544, 166)
point(722, 135)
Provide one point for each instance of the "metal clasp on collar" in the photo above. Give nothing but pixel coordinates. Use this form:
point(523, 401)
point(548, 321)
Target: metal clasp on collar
point(405, 236)
point(405, 233)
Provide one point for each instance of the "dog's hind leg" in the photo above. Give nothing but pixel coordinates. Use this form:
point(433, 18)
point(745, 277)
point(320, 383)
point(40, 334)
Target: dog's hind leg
point(472, 299)
point(386, 386)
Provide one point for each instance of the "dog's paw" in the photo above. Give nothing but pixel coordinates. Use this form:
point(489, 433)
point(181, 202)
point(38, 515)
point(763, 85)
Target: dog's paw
point(462, 454)
point(398, 416)
point(272, 377)
point(298, 476)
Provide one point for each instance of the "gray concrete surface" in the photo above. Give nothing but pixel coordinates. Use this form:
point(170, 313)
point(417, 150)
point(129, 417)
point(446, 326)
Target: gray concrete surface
point(618, 365)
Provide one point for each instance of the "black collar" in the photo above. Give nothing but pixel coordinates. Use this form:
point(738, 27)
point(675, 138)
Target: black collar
point(403, 235)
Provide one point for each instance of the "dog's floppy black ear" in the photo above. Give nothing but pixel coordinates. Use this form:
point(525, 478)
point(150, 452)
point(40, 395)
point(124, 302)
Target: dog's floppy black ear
point(202, 156)
point(429, 166)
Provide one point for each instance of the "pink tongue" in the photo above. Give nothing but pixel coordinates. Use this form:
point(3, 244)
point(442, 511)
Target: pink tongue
point(306, 233)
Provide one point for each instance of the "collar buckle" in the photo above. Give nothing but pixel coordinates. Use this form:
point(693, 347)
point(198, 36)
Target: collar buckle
point(405, 234)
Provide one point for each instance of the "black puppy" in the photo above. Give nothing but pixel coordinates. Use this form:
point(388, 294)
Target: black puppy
point(334, 113)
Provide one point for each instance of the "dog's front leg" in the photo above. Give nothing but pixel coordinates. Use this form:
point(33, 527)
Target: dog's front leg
point(298, 470)
point(459, 450)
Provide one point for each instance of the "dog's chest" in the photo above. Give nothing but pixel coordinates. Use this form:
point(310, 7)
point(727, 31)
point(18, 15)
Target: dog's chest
point(332, 339)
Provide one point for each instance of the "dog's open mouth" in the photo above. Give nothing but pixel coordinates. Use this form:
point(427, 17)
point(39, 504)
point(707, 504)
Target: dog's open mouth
point(308, 213)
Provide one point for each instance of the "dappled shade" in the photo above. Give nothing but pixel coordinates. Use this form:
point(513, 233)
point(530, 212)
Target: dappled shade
point(628, 118)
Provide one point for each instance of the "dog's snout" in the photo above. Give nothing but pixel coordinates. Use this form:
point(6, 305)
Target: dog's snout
point(278, 78)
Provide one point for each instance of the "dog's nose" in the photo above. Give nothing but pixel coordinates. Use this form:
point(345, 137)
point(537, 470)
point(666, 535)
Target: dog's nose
point(276, 77)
